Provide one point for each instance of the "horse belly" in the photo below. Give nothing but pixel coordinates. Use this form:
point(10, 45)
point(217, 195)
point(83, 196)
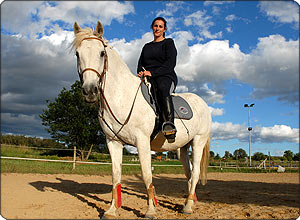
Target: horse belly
point(160, 143)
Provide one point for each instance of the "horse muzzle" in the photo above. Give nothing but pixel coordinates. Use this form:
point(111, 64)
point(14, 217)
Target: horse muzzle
point(90, 93)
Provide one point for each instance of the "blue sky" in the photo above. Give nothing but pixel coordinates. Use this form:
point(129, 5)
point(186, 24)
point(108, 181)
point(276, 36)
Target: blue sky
point(229, 52)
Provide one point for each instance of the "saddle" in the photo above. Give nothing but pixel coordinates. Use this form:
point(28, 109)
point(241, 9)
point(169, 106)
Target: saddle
point(182, 109)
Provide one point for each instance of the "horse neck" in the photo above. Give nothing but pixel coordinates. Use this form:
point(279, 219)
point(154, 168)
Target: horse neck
point(120, 84)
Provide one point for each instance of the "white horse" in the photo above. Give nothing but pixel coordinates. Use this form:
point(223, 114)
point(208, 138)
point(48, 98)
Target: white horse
point(126, 117)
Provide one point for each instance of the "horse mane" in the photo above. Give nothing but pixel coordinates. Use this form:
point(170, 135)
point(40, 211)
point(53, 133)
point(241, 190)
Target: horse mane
point(84, 33)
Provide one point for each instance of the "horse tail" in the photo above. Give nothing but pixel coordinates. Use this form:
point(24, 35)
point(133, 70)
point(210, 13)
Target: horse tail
point(204, 162)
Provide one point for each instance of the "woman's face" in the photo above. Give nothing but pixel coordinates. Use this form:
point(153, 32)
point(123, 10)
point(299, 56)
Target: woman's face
point(158, 28)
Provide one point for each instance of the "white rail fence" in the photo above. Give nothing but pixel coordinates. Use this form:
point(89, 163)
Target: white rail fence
point(74, 162)
point(219, 164)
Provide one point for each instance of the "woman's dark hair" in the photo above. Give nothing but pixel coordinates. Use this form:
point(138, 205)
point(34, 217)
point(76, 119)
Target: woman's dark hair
point(161, 19)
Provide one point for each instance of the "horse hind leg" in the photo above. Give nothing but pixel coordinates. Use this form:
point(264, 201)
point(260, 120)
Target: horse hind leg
point(199, 146)
point(183, 156)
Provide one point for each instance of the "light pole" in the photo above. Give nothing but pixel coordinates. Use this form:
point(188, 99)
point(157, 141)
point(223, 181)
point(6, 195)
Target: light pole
point(249, 129)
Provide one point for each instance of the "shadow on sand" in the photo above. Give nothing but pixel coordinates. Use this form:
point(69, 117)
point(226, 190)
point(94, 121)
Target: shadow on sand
point(230, 192)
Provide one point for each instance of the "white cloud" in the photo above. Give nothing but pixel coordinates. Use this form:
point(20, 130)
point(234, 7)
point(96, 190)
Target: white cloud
point(131, 149)
point(168, 13)
point(210, 95)
point(275, 134)
point(228, 131)
point(33, 71)
point(16, 17)
point(208, 3)
point(231, 17)
point(203, 22)
point(281, 11)
point(171, 8)
point(59, 37)
point(182, 88)
point(272, 68)
point(279, 133)
point(209, 62)
point(130, 51)
point(38, 17)
point(87, 11)
point(229, 30)
point(216, 111)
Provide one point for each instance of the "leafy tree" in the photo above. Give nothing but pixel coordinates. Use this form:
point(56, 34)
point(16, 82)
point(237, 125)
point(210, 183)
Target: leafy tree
point(212, 154)
point(296, 157)
point(240, 153)
point(72, 121)
point(227, 155)
point(288, 155)
point(258, 156)
point(217, 157)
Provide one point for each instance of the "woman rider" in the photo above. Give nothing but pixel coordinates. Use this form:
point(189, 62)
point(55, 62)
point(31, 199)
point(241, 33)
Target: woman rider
point(157, 62)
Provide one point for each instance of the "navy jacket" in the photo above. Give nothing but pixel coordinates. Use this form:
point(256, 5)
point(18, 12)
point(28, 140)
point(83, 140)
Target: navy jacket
point(159, 58)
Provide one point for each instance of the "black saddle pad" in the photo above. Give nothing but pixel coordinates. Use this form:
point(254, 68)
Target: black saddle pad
point(182, 109)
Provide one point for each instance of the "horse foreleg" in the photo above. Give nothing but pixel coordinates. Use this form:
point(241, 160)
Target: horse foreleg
point(145, 161)
point(116, 153)
point(197, 145)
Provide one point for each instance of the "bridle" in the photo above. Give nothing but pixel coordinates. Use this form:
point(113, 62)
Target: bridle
point(102, 75)
point(101, 86)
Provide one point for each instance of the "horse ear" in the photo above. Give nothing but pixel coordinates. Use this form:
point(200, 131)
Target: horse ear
point(76, 28)
point(99, 29)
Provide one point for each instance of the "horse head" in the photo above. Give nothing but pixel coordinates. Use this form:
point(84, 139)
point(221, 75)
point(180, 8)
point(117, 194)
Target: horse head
point(91, 59)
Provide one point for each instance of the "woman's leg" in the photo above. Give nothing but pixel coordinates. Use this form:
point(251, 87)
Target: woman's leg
point(165, 87)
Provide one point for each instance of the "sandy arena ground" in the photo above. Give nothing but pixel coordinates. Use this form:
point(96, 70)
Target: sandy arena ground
point(226, 196)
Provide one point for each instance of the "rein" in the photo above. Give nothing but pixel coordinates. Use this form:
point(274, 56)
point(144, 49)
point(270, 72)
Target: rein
point(101, 88)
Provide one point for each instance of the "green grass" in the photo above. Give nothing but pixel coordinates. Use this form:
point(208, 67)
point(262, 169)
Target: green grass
point(13, 151)
point(22, 166)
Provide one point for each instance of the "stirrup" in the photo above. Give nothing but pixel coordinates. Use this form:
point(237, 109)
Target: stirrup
point(168, 128)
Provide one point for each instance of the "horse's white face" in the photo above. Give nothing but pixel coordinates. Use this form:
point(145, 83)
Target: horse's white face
point(90, 55)
point(90, 60)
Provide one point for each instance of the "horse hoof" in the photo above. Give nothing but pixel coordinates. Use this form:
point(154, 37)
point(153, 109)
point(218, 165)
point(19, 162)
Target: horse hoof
point(186, 213)
point(105, 217)
point(148, 216)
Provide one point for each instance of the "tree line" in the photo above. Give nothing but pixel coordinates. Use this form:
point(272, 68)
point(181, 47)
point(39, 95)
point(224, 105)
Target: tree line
point(21, 140)
point(257, 156)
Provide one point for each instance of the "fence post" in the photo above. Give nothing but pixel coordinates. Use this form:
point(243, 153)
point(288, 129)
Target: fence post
point(74, 158)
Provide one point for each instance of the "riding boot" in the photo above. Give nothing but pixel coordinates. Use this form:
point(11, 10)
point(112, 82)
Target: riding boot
point(168, 127)
point(157, 127)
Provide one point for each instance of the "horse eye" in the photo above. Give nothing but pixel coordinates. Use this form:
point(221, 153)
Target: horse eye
point(102, 53)
point(77, 54)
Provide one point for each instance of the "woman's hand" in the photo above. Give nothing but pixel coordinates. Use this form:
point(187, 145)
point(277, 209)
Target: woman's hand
point(144, 73)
